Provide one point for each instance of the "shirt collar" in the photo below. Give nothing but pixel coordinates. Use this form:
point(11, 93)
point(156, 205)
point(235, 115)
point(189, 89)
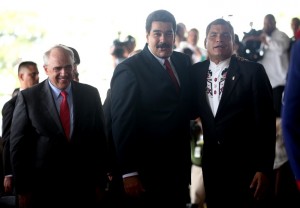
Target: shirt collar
point(57, 91)
point(221, 66)
point(161, 60)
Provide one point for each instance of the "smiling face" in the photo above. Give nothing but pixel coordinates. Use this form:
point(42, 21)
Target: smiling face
point(161, 39)
point(219, 43)
point(59, 68)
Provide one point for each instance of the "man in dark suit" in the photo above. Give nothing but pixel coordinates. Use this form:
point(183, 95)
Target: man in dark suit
point(150, 118)
point(28, 75)
point(233, 98)
point(53, 167)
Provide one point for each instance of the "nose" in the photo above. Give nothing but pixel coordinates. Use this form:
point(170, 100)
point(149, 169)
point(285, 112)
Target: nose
point(65, 71)
point(219, 38)
point(162, 38)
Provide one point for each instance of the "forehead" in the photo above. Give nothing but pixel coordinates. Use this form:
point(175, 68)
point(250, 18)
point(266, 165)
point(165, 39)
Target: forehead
point(219, 28)
point(161, 26)
point(192, 33)
point(28, 69)
point(31, 68)
point(268, 21)
point(58, 56)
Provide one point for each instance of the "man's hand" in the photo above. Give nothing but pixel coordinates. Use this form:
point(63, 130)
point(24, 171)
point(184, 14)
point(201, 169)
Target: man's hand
point(133, 186)
point(259, 185)
point(8, 184)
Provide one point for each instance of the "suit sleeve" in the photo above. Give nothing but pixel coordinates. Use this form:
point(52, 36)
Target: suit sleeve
point(265, 121)
point(21, 147)
point(123, 111)
point(7, 113)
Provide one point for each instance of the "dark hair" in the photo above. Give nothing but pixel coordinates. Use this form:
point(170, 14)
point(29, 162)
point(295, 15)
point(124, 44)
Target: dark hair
point(180, 27)
point(26, 64)
point(160, 16)
point(297, 21)
point(271, 18)
point(251, 49)
point(221, 22)
point(118, 49)
point(76, 56)
point(129, 43)
point(129, 39)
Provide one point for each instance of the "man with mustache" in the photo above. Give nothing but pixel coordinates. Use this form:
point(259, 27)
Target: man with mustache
point(233, 98)
point(150, 119)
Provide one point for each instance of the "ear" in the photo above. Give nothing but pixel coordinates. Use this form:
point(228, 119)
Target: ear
point(46, 69)
point(20, 76)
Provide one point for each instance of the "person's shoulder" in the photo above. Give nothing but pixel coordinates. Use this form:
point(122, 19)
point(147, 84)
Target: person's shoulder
point(180, 54)
point(9, 104)
point(244, 61)
point(83, 86)
point(133, 63)
point(200, 64)
point(281, 35)
point(38, 88)
point(248, 67)
point(181, 57)
point(11, 101)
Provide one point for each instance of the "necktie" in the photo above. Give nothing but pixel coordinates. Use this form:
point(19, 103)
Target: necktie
point(171, 73)
point(65, 113)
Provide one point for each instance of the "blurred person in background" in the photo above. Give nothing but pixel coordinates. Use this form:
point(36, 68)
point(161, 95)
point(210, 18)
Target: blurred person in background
point(28, 75)
point(180, 35)
point(198, 54)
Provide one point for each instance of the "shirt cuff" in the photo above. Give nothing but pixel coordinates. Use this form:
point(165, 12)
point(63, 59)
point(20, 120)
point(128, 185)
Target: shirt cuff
point(130, 174)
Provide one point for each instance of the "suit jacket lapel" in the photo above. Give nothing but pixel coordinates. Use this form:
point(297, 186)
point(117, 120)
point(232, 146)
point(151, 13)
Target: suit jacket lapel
point(76, 99)
point(157, 67)
point(48, 104)
point(232, 78)
point(203, 90)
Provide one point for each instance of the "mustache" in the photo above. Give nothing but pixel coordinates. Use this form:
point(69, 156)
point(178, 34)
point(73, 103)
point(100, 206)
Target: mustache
point(163, 45)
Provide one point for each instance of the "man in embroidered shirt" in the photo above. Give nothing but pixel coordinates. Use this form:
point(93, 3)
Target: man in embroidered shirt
point(234, 102)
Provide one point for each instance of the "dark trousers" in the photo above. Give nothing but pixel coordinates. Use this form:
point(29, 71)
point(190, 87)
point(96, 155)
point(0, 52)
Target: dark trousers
point(286, 193)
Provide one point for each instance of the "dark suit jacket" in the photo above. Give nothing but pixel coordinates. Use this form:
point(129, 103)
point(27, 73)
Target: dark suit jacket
point(44, 162)
point(7, 114)
point(150, 120)
point(240, 139)
point(108, 129)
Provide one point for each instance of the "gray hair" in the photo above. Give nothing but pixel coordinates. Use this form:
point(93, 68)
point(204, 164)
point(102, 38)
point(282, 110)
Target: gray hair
point(64, 48)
